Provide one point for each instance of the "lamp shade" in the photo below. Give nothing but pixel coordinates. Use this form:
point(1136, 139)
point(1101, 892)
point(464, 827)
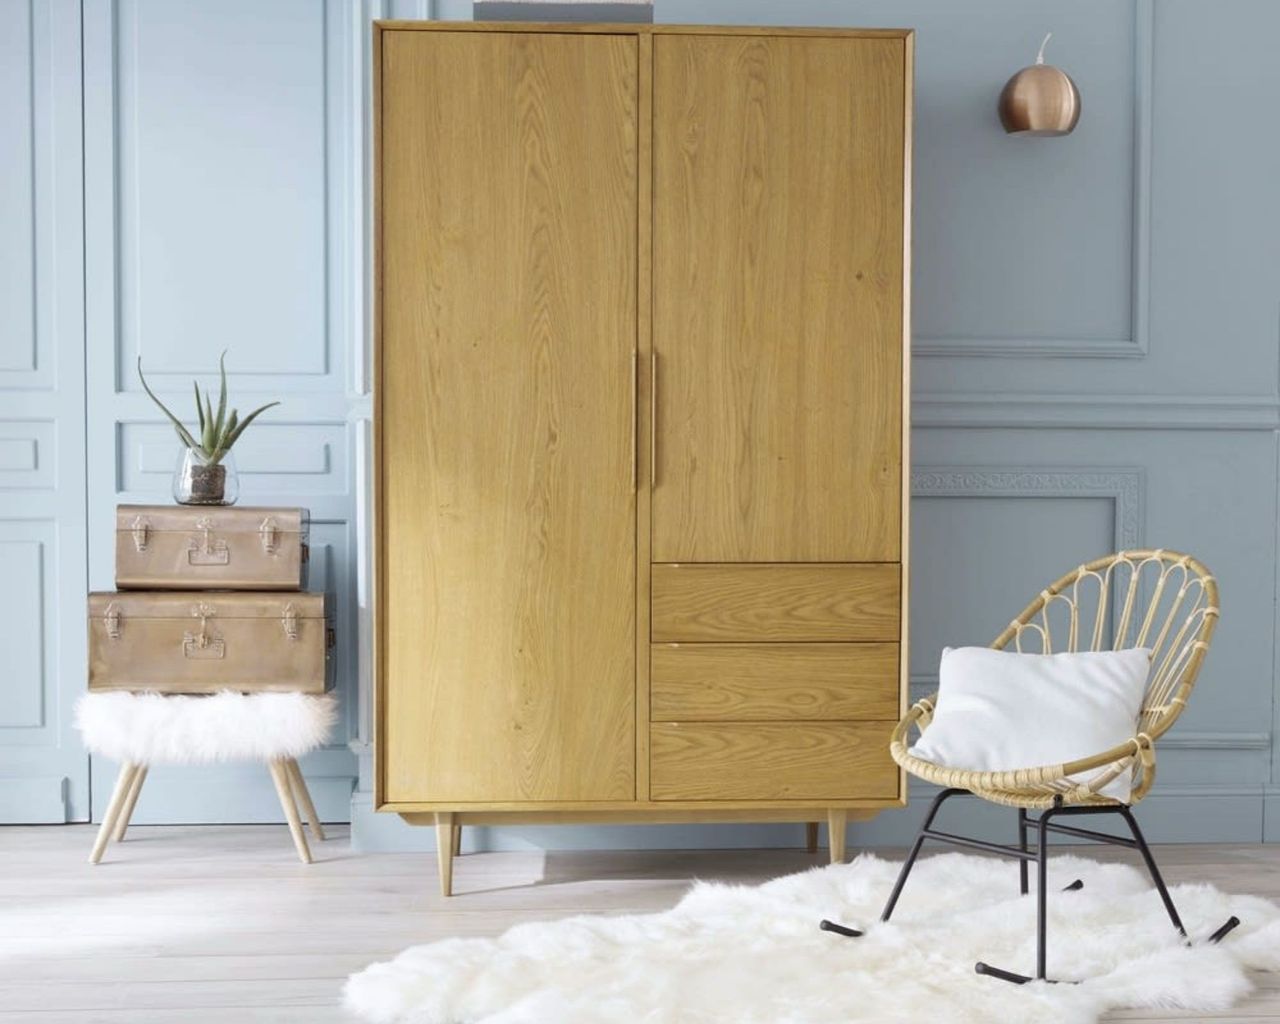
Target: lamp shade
point(1040, 100)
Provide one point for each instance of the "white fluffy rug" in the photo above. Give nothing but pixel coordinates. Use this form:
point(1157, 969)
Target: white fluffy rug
point(155, 728)
point(754, 955)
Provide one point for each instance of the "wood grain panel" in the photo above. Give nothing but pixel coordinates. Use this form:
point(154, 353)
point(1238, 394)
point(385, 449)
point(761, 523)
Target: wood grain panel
point(772, 761)
point(773, 682)
point(508, 321)
point(711, 602)
point(778, 285)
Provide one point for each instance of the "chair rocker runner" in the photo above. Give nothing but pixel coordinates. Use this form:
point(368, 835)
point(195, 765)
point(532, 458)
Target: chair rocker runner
point(1158, 599)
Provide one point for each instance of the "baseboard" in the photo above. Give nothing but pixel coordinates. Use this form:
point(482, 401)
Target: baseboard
point(1271, 815)
point(41, 800)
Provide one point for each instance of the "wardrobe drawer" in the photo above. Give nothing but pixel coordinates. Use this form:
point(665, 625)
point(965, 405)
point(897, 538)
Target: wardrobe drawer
point(771, 761)
point(760, 602)
point(773, 682)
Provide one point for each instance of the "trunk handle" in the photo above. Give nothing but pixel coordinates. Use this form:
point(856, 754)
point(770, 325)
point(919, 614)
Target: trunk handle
point(206, 550)
point(289, 620)
point(202, 645)
point(140, 528)
point(111, 616)
point(270, 533)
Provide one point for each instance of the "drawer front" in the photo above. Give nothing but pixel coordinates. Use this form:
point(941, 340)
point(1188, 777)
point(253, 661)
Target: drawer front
point(771, 761)
point(760, 602)
point(774, 682)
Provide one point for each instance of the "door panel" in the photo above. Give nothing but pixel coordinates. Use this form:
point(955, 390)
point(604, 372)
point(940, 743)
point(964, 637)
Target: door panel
point(778, 261)
point(508, 198)
point(44, 770)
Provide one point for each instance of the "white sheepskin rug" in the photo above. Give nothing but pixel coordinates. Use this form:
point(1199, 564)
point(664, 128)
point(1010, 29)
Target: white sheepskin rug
point(154, 728)
point(754, 955)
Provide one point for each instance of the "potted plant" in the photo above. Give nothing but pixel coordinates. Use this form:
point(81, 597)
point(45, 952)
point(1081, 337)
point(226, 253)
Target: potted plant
point(206, 471)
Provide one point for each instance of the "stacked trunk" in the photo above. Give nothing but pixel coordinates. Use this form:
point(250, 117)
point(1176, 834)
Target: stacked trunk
point(209, 599)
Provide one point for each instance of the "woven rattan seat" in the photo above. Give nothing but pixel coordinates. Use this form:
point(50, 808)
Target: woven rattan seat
point(1148, 598)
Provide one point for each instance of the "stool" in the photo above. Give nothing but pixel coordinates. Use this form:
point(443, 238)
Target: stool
point(144, 729)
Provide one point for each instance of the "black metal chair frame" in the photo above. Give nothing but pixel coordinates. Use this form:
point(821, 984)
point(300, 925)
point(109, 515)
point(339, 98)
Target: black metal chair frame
point(1043, 824)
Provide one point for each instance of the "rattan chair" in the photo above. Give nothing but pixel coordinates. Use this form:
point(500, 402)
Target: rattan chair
point(1159, 599)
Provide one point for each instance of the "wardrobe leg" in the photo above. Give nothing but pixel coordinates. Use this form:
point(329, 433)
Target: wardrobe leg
point(280, 776)
point(811, 836)
point(457, 839)
point(837, 820)
point(130, 801)
point(444, 850)
point(118, 797)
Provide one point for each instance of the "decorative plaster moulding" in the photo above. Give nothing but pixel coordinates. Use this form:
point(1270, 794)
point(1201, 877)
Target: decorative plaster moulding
point(1136, 345)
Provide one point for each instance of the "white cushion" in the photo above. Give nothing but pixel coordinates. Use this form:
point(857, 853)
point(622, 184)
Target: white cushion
point(153, 728)
point(1001, 711)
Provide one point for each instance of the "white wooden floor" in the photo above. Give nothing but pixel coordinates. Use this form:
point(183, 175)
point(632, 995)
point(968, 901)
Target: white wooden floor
point(187, 925)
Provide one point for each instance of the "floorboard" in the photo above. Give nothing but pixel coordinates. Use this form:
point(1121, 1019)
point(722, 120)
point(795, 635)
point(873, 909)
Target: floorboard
point(197, 925)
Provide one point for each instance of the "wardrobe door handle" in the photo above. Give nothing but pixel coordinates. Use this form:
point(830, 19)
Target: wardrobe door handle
point(635, 412)
point(653, 420)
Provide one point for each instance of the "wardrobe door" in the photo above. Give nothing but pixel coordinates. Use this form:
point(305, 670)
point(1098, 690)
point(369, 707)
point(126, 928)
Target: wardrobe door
point(507, 194)
point(778, 264)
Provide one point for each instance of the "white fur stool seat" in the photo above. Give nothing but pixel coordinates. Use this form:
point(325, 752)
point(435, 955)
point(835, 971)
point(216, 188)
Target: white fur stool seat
point(144, 729)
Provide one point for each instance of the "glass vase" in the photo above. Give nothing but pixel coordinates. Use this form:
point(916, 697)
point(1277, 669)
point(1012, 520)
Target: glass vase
point(196, 481)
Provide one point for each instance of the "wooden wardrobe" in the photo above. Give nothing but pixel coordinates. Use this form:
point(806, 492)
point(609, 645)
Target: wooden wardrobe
point(640, 423)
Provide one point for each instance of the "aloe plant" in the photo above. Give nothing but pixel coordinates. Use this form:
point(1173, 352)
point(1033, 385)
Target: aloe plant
point(217, 432)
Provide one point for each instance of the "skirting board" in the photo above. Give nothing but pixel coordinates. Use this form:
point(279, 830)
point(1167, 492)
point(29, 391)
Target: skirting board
point(1176, 814)
point(33, 801)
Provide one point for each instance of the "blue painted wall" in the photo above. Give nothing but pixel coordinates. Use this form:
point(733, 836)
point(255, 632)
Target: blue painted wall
point(1097, 351)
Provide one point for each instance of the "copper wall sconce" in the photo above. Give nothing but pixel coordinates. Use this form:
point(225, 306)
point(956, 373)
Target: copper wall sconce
point(1040, 100)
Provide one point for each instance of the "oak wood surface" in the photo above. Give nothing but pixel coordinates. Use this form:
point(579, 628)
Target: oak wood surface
point(638, 30)
point(778, 286)
point(644, 385)
point(488, 274)
point(662, 813)
point(908, 135)
point(774, 682)
point(771, 760)
point(446, 847)
point(757, 602)
point(509, 276)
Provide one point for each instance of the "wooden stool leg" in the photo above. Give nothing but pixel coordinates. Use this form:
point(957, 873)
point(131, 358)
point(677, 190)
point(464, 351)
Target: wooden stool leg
point(280, 776)
point(837, 819)
point(811, 836)
point(444, 851)
point(131, 801)
point(118, 796)
point(302, 796)
point(457, 840)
